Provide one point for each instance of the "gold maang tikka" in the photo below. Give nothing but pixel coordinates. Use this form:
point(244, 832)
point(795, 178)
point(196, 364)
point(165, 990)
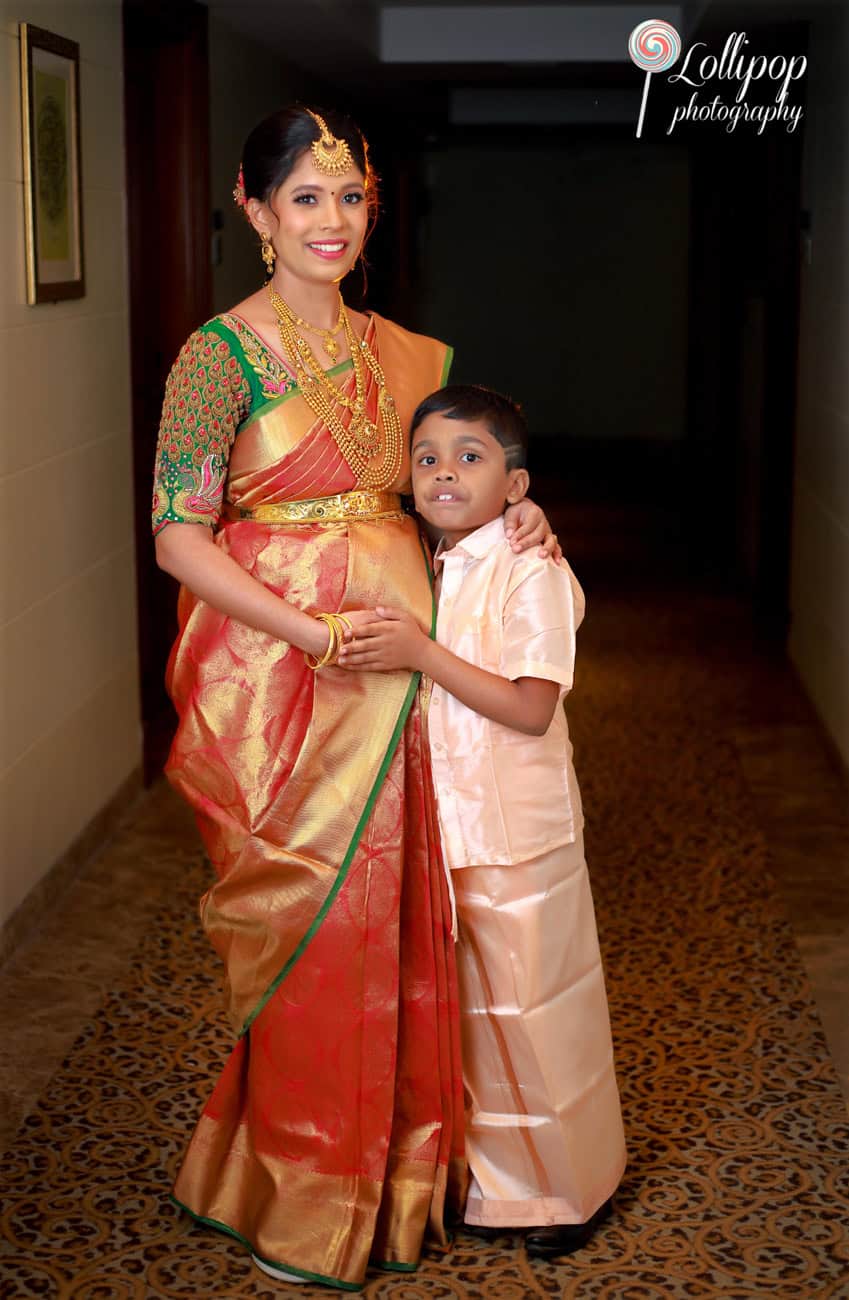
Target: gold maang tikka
point(331, 155)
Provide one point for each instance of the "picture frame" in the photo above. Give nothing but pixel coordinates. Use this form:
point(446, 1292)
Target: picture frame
point(50, 121)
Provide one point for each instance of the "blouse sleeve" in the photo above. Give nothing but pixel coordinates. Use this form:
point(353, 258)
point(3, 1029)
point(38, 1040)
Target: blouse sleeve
point(541, 617)
point(207, 397)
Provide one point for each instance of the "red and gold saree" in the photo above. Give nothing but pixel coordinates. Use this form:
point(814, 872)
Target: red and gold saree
point(334, 1136)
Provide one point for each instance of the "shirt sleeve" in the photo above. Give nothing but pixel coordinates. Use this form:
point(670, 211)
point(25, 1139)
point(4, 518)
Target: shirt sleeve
point(207, 397)
point(541, 617)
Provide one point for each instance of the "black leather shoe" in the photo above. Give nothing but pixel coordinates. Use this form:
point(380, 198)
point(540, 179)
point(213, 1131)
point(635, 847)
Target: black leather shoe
point(565, 1238)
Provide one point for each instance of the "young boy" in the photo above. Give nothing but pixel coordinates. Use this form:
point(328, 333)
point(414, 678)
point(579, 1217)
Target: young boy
point(545, 1143)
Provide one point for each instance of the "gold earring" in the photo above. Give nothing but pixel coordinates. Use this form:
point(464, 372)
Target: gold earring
point(268, 254)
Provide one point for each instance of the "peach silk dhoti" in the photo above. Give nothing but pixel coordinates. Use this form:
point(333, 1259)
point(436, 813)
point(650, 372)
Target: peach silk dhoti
point(544, 1137)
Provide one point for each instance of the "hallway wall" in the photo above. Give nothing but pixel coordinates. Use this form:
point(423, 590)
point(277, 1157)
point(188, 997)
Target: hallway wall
point(70, 731)
point(819, 637)
point(247, 81)
point(577, 248)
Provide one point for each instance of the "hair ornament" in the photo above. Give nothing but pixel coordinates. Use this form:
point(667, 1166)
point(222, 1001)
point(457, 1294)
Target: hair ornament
point(331, 155)
point(239, 196)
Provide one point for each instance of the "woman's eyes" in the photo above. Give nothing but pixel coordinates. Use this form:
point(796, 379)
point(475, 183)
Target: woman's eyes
point(351, 199)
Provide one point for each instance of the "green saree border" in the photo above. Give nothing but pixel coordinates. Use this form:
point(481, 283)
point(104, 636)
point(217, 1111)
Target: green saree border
point(446, 366)
point(261, 403)
point(269, 403)
point(342, 874)
point(431, 576)
point(288, 1268)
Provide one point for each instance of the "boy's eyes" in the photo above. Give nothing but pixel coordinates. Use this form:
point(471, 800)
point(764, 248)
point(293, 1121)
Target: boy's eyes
point(468, 456)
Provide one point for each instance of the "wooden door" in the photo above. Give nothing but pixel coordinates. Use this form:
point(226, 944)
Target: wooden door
point(168, 206)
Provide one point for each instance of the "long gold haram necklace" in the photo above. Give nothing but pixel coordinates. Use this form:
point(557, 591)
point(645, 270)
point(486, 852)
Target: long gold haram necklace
point(360, 442)
point(361, 438)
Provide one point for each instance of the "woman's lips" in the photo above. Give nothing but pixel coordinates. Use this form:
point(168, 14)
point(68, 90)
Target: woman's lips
point(330, 249)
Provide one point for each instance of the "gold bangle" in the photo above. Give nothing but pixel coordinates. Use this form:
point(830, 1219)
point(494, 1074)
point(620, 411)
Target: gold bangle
point(333, 620)
point(340, 622)
point(333, 644)
point(343, 621)
point(346, 622)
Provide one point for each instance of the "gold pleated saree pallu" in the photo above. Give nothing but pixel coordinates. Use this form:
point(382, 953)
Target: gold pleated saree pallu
point(334, 1135)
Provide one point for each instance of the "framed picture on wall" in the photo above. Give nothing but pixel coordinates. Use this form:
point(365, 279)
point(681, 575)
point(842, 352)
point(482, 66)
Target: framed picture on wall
point(50, 117)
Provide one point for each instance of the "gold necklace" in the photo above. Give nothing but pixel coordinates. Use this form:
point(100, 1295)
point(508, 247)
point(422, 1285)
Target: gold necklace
point(360, 440)
point(328, 337)
point(363, 430)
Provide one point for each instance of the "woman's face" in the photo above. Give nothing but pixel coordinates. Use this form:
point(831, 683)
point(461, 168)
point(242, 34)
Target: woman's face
point(317, 223)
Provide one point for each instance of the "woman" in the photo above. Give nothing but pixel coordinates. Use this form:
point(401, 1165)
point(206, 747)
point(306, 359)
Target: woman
point(334, 1136)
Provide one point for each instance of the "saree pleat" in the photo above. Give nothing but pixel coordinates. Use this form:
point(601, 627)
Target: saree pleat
point(334, 1135)
point(335, 1132)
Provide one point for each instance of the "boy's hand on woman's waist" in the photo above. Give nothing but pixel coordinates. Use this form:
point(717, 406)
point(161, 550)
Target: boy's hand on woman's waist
point(359, 618)
point(389, 640)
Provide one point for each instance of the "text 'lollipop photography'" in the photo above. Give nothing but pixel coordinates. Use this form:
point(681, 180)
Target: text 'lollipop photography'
point(734, 86)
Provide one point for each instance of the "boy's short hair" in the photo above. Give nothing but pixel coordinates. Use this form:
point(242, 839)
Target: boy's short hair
point(502, 416)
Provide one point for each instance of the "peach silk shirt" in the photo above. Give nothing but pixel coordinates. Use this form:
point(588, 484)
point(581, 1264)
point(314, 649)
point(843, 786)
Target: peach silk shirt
point(504, 797)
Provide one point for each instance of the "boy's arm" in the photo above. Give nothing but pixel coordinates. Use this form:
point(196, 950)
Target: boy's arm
point(526, 704)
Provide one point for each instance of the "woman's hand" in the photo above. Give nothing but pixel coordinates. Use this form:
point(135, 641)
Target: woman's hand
point(525, 525)
point(392, 639)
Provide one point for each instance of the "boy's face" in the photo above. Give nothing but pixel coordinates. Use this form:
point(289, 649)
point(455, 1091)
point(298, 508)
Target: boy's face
point(460, 477)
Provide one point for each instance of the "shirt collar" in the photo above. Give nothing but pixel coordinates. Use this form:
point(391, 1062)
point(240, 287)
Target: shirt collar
point(475, 546)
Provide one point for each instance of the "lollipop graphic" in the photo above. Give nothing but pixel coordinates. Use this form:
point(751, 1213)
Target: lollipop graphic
point(654, 46)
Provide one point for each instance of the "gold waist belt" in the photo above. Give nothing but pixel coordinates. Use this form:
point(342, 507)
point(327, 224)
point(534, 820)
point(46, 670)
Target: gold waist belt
point(360, 504)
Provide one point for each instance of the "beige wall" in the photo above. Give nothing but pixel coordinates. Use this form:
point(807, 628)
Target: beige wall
point(246, 83)
point(69, 729)
point(819, 638)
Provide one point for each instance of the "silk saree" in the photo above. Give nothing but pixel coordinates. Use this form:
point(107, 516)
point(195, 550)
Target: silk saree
point(333, 1138)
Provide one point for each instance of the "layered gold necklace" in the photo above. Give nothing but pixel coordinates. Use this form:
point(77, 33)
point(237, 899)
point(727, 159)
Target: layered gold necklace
point(328, 337)
point(360, 441)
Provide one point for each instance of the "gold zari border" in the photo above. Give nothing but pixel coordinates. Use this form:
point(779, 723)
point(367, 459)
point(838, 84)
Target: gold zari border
point(326, 1226)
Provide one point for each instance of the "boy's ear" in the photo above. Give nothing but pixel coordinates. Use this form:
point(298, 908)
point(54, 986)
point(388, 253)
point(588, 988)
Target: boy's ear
point(517, 486)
